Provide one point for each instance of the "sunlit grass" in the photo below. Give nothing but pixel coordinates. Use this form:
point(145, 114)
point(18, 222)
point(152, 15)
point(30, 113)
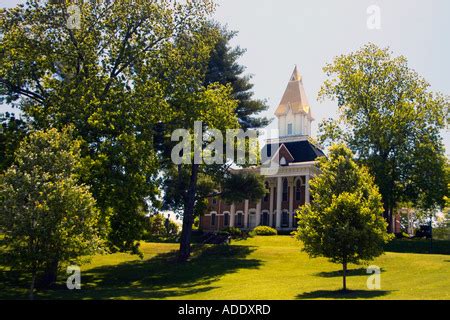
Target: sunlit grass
point(257, 268)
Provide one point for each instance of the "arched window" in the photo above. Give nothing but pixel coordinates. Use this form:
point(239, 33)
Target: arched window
point(239, 221)
point(285, 189)
point(226, 219)
point(265, 218)
point(298, 190)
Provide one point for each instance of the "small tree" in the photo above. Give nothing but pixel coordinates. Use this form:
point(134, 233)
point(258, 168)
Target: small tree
point(158, 227)
point(345, 221)
point(47, 217)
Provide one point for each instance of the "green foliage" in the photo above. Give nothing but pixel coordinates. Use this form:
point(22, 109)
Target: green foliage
point(127, 69)
point(158, 228)
point(12, 131)
point(344, 222)
point(234, 232)
point(48, 217)
point(196, 224)
point(224, 68)
point(391, 120)
point(264, 231)
point(155, 225)
point(241, 186)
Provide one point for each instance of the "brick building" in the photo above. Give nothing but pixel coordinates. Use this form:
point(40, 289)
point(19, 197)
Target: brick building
point(288, 188)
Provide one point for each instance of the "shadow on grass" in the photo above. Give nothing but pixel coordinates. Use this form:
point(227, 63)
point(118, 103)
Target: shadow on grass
point(339, 273)
point(340, 294)
point(421, 246)
point(161, 276)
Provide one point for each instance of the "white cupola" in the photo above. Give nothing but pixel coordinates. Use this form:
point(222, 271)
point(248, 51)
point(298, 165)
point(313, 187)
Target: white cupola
point(294, 112)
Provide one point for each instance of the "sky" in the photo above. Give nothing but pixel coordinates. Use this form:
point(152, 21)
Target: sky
point(279, 34)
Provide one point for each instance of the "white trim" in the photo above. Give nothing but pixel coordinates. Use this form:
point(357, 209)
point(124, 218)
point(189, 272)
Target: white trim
point(293, 138)
point(278, 151)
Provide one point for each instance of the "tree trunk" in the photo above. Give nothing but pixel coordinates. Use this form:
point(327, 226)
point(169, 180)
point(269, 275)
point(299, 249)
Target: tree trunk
point(344, 278)
point(50, 275)
point(431, 235)
point(188, 216)
point(388, 217)
point(33, 280)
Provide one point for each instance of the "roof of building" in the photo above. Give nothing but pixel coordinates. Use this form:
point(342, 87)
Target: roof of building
point(301, 151)
point(294, 97)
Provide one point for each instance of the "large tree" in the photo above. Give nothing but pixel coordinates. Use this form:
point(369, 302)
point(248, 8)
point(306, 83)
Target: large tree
point(47, 216)
point(345, 221)
point(391, 120)
point(114, 79)
point(188, 186)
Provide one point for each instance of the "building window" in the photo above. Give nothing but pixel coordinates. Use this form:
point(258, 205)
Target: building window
point(226, 219)
point(289, 129)
point(214, 201)
point(285, 190)
point(285, 219)
point(213, 219)
point(239, 219)
point(298, 189)
point(265, 219)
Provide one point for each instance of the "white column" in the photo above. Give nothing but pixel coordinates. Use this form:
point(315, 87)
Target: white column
point(271, 187)
point(246, 214)
point(279, 195)
point(232, 214)
point(258, 213)
point(307, 189)
point(291, 202)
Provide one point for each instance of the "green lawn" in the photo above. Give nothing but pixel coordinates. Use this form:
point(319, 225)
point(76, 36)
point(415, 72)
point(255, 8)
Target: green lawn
point(256, 268)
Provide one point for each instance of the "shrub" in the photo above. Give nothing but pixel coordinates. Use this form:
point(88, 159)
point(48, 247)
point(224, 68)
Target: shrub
point(233, 232)
point(264, 231)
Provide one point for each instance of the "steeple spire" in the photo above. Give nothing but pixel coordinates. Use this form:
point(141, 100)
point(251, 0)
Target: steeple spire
point(296, 76)
point(294, 96)
point(294, 112)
